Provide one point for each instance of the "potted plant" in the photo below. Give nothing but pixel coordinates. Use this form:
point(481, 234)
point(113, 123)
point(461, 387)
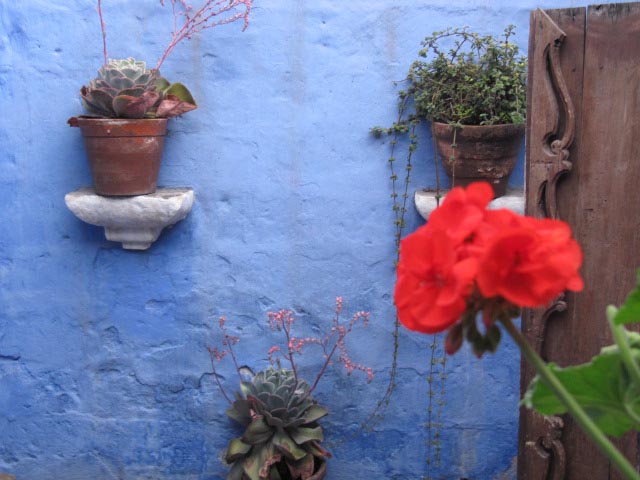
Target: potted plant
point(282, 435)
point(129, 104)
point(472, 90)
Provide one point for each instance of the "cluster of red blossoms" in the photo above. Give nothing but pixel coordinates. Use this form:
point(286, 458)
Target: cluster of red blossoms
point(467, 259)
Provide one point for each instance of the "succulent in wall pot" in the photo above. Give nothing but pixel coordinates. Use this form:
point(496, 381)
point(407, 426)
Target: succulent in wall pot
point(129, 104)
point(124, 136)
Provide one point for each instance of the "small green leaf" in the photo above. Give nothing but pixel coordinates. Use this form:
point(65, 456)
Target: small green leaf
point(272, 420)
point(236, 472)
point(247, 388)
point(162, 84)
point(97, 101)
point(302, 468)
point(630, 310)
point(315, 412)
point(257, 432)
point(182, 92)
point(251, 464)
point(237, 449)
point(316, 450)
point(257, 465)
point(302, 434)
point(285, 444)
point(240, 411)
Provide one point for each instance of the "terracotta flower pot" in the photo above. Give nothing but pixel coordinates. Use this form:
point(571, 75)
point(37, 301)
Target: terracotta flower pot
point(485, 152)
point(124, 155)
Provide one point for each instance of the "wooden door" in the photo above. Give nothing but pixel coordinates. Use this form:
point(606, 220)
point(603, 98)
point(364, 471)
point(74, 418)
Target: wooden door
point(583, 166)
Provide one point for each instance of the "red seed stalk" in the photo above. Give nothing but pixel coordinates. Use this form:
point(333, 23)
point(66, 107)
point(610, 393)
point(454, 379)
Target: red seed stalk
point(331, 343)
point(104, 32)
point(210, 15)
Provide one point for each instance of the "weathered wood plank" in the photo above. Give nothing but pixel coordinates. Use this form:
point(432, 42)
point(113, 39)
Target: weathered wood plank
point(599, 198)
point(556, 36)
point(606, 197)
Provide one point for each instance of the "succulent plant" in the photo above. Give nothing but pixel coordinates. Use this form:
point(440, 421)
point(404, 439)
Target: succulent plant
point(128, 89)
point(282, 437)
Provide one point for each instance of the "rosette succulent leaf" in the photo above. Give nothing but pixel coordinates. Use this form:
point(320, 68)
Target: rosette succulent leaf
point(128, 89)
point(282, 438)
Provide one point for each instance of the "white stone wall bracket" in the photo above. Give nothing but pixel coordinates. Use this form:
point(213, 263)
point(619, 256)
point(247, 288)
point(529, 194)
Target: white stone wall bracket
point(425, 201)
point(137, 221)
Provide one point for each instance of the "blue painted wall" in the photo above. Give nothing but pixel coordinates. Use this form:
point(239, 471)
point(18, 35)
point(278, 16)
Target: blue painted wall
point(104, 372)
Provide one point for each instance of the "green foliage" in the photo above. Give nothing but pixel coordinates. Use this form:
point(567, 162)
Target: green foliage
point(603, 387)
point(128, 89)
point(630, 311)
point(607, 387)
point(282, 437)
point(480, 80)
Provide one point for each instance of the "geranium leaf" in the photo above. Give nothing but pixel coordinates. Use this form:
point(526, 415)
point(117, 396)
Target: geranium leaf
point(630, 311)
point(602, 387)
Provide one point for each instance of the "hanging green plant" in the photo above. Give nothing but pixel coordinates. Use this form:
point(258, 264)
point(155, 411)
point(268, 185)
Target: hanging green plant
point(472, 89)
point(480, 80)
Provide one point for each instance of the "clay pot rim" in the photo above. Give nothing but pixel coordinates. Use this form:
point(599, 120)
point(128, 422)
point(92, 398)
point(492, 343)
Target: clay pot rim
point(119, 121)
point(500, 126)
point(122, 127)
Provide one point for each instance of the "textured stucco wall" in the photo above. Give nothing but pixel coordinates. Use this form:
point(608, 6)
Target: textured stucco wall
point(104, 372)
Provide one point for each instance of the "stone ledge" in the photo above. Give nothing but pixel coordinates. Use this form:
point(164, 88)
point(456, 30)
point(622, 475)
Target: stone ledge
point(136, 221)
point(425, 201)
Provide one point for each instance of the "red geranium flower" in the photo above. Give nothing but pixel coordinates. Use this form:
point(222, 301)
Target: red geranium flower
point(530, 262)
point(501, 258)
point(462, 211)
point(432, 284)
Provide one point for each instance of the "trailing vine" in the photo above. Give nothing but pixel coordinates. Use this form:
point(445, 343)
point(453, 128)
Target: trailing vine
point(434, 419)
point(401, 127)
point(407, 124)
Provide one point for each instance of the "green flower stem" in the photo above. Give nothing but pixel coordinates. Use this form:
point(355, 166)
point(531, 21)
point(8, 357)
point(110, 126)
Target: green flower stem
point(620, 336)
point(572, 406)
